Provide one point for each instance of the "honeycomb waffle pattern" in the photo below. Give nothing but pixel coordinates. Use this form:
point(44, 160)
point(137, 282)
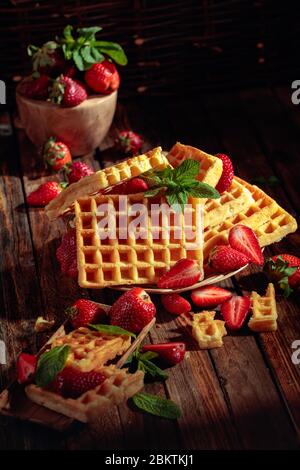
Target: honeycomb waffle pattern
point(207, 331)
point(103, 179)
point(264, 311)
point(133, 260)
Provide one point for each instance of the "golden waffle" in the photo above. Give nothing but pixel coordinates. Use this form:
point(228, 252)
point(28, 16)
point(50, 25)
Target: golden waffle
point(105, 178)
point(264, 311)
point(268, 220)
point(210, 167)
point(207, 331)
point(132, 260)
point(89, 348)
point(118, 387)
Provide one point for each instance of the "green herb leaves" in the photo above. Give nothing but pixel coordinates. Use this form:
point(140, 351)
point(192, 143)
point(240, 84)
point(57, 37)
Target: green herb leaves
point(85, 50)
point(179, 184)
point(50, 363)
point(112, 330)
point(143, 361)
point(156, 405)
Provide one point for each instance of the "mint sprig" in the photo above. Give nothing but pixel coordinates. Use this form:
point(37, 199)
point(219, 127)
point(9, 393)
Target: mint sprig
point(50, 363)
point(112, 330)
point(143, 362)
point(178, 184)
point(157, 406)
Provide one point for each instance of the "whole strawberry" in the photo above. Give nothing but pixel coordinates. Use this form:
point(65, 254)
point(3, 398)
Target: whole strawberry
point(129, 142)
point(66, 254)
point(44, 194)
point(227, 174)
point(175, 303)
point(133, 186)
point(47, 59)
point(133, 310)
point(68, 92)
point(284, 269)
point(56, 154)
point(85, 311)
point(72, 383)
point(35, 88)
point(225, 259)
point(102, 77)
point(78, 170)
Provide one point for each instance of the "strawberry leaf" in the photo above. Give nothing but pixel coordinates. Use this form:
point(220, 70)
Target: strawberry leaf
point(50, 363)
point(156, 405)
point(78, 60)
point(86, 55)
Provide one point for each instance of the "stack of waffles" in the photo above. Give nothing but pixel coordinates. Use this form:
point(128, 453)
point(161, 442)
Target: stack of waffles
point(122, 260)
point(91, 351)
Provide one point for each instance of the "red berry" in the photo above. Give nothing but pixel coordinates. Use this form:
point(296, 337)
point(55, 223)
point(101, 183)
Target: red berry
point(35, 88)
point(284, 269)
point(133, 186)
point(171, 353)
point(68, 92)
point(78, 170)
point(85, 311)
point(129, 142)
point(235, 311)
point(227, 174)
point(184, 273)
point(102, 77)
point(175, 303)
point(244, 240)
point(44, 194)
point(209, 296)
point(47, 59)
point(66, 254)
point(26, 365)
point(225, 259)
point(56, 154)
point(72, 383)
point(133, 310)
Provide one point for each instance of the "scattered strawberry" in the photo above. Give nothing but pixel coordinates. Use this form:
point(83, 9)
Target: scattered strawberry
point(171, 353)
point(184, 273)
point(133, 310)
point(44, 194)
point(235, 311)
point(227, 174)
point(35, 88)
point(26, 364)
point(66, 254)
point(129, 142)
point(102, 77)
point(56, 154)
point(175, 303)
point(78, 170)
point(225, 259)
point(284, 269)
point(67, 91)
point(209, 296)
point(47, 59)
point(72, 383)
point(85, 311)
point(244, 240)
point(133, 186)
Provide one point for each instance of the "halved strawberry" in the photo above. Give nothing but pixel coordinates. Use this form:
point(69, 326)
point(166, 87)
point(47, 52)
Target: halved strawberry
point(26, 365)
point(224, 259)
point(235, 311)
point(244, 240)
point(72, 383)
point(133, 186)
point(175, 303)
point(184, 273)
point(209, 296)
point(170, 353)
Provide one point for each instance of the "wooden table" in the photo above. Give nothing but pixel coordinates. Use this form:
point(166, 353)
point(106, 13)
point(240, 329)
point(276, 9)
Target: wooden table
point(245, 395)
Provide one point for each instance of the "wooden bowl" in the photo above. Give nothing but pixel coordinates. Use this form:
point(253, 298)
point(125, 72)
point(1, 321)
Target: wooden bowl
point(82, 128)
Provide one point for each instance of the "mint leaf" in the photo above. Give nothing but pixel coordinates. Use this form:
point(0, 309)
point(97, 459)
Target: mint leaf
point(113, 50)
point(152, 192)
point(204, 190)
point(97, 55)
point(78, 60)
point(90, 31)
point(68, 33)
point(112, 330)
point(50, 363)
point(188, 168)
point(156, 405)
point(86, 55)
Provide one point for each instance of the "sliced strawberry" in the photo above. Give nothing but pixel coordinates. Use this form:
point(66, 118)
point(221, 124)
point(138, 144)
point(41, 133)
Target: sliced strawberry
point(227, 174)
point(26, 365)
point(175, 303)
point(209, 296)
point(184, 273)
point(72, 383)
point(225, 259)
point(170, 353)
point(133, 186)
point(235, 311)
point(244, 240)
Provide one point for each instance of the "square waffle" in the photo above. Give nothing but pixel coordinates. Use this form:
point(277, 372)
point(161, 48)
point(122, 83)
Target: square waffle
point(210, 167)
point(133, 260)
point(264, 311)
point(103, 179)
point(268, 220)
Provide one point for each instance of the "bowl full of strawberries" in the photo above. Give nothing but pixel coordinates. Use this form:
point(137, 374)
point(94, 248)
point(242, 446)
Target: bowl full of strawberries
point(72, 91)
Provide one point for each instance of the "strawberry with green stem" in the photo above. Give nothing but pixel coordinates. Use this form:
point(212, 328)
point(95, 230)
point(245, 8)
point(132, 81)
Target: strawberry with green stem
point(56, 154)
point(284, 269)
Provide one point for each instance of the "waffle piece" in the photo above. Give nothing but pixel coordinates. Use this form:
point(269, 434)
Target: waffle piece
point(133, 260)
point(90, 348)
point(211, 167)
point(207, 331)
point(268, 220)
point(118, 387)
point(236, 199)
point(103, 179)
point(264, 311)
